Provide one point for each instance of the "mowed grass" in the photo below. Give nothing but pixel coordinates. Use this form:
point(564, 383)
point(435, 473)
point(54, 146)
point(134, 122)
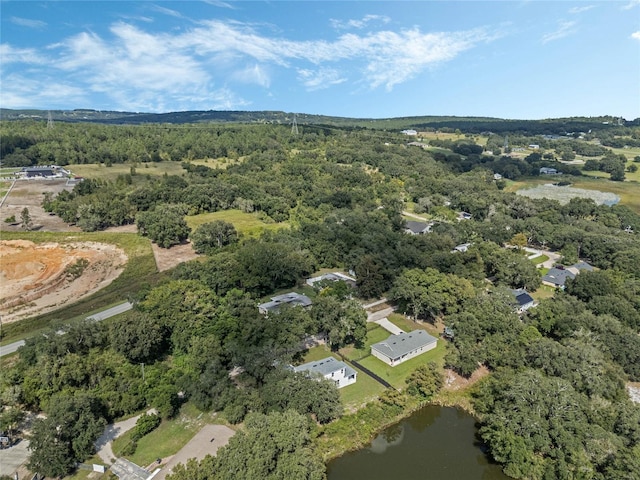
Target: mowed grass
point(248, 224)
point(165, 440)
point(101, 171)
point(375, 334)
point(139, 272)
point(397, 375)
point(353, 396)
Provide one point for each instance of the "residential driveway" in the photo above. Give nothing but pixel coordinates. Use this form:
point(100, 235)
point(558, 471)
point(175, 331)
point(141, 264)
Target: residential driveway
point(380, 314)
point(11, 458)
point(554, 257)
point(390, 327)
point(111, 432)
point(206, 442)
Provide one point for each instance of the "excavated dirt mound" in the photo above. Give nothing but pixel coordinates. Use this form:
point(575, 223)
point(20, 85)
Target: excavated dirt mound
point(38, 278)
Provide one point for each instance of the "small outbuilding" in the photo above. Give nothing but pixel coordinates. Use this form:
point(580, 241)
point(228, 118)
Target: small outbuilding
point(399, 348)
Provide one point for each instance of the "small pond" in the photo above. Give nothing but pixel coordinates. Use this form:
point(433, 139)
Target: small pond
point(435, 443)
point(565, 193)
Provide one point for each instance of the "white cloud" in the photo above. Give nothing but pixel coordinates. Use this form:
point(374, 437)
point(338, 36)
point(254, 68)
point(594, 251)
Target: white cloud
point(167, 11)
point(139, 69)
point(217, 3)
point(631, 4)
point(564, 30)
point(636, 35)
point(256, 74)
point(22, 92)
point(9, 54)
point(320, 79)
point(27, 22)
point(584, 8)
point(358, 24)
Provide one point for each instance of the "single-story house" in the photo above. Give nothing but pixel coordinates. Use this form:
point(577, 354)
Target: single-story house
point(404, 346)
point(331, 369)
point(497, 176)
point(332, 277)
point(549, 171)
point(417, 228)
point(291, 298)
point(33, 172)
point(524, 301)
point(464, 216)
point(533, 146)
point(461, 248)
point(556, 277)
point(409, 132)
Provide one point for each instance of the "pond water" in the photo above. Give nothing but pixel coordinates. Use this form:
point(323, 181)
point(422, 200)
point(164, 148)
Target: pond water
point(565, 193)
point(435, 443)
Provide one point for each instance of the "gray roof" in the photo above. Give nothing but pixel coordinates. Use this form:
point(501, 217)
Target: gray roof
point(397, 345)
point(558, 276)
point(416, 227)
point(325, 367)
point(583, 266)
point(291, 298)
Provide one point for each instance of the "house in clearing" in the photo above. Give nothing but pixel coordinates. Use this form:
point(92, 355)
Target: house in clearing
point(557, 276)
point(404, 346)
point(524, 301)
point(332, 277)
point(417, 228)
point(291, 298)
point(331, 369)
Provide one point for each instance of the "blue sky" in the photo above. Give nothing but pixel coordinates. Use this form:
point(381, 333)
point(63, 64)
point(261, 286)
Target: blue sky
point(509, 59)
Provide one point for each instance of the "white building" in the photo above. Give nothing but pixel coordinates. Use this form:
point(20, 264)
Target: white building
point(331, 369)
point(400, 348)
point(332, 277)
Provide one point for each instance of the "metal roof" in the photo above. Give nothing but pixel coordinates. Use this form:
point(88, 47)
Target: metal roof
point(398, 345)
point(325, 367)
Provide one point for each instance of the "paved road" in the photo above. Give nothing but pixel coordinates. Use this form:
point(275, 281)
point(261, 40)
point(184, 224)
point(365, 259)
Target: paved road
point(109, 312)
point(113, 431)
point(11, 458)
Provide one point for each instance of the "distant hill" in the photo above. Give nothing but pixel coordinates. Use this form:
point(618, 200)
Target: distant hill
point(465, 124)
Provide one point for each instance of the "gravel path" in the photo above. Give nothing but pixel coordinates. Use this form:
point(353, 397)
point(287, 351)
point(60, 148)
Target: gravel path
point(111, 432)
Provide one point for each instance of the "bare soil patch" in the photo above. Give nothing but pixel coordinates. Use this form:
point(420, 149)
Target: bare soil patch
point(455, 382)
point(38, 278)
point(30, 193)
point(167, 258)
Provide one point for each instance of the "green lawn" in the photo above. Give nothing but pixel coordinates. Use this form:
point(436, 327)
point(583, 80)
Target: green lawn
point(375, 334)
point(540, 259)
point(407, 325)
point(353, 396)
point(167, 439)
point(545, 291)
point(100, 170)
point(248, 224)
point(397, 375)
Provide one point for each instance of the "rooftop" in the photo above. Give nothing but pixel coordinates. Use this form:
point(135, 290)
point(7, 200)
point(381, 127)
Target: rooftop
point(397, 345)
point(325, 367)
point(291, 298)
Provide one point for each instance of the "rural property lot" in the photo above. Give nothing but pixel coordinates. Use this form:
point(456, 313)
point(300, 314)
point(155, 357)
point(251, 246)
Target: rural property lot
point(30, 193)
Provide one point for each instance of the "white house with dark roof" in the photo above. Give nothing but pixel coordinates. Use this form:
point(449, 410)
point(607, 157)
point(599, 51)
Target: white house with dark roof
point(524, 301)
point(331, 369)
point(400, 348)
point(291, 298)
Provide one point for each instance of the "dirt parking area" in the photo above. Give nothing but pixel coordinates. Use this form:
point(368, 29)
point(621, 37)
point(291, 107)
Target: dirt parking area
point(29, 194)
point(206, 442)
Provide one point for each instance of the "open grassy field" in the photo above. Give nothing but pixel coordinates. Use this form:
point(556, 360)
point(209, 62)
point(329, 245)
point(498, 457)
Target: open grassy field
point(479, 139)
point(375, 334)
point(100, 170)
point(139, 272)
point(248, 224)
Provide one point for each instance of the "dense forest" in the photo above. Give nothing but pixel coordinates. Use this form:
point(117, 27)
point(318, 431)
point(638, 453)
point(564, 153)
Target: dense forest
point(555, 404)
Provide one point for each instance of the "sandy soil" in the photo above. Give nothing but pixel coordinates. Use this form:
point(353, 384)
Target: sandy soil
point(30, 193)
point(34, 278)
point(453, 381)
point(167, 258)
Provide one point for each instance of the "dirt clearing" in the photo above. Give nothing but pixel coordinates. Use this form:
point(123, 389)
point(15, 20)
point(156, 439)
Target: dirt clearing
point(39, 278)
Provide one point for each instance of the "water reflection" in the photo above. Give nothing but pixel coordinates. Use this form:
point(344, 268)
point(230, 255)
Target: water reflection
point(435, 443)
